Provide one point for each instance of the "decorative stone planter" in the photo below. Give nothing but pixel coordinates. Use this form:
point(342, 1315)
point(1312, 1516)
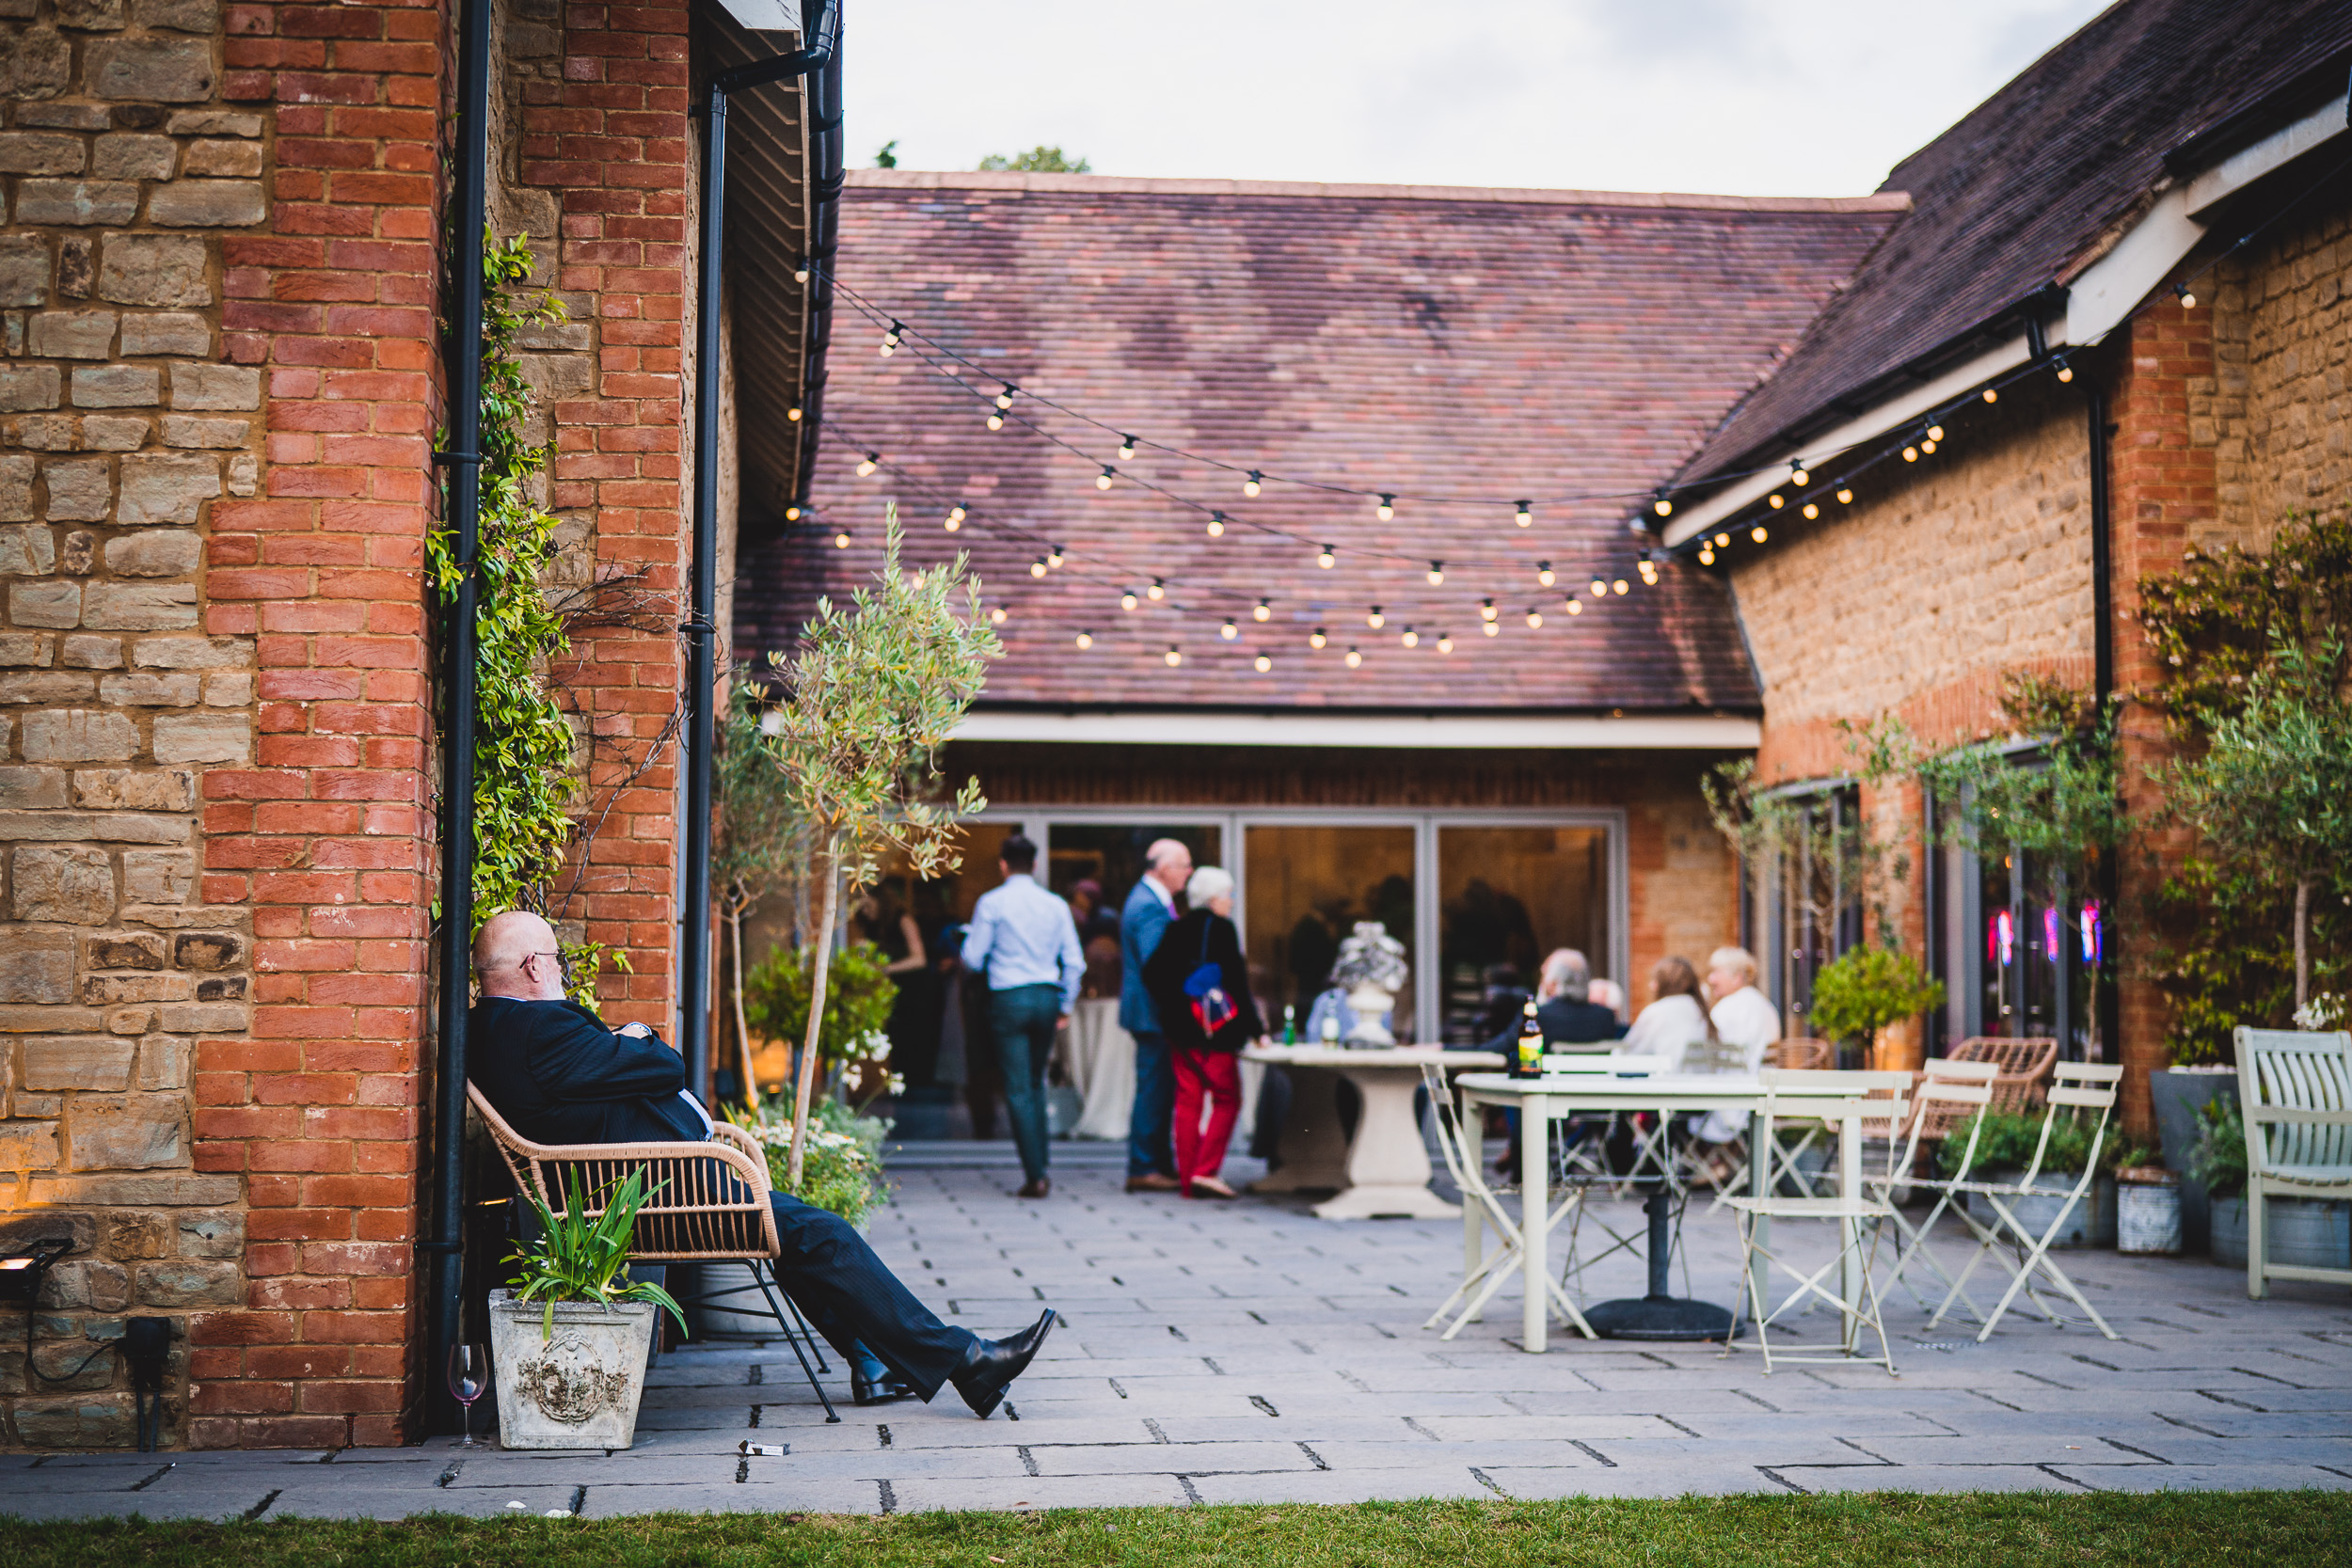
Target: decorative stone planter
point(576, 1389)
point(1371, 1006)
point(2301, 1232)
point(2147, 1211)
point(2091, 1223)
point(2179, 1097)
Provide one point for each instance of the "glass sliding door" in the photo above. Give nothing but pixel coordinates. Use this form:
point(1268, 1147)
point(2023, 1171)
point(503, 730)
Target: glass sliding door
point(1305, 886)
point(1096, 864)
point(1507, 897)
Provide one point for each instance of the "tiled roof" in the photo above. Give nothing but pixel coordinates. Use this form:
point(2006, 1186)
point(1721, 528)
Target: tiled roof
point(1474, 344)
point(2031, 186)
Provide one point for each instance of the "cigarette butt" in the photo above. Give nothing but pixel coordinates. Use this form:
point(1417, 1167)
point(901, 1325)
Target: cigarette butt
point(772, 1449)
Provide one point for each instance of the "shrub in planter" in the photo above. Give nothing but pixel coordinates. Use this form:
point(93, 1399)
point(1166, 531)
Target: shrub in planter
point(2301, 1232)
point(841, 1164)
point(1863, 990)
point(569, 1344)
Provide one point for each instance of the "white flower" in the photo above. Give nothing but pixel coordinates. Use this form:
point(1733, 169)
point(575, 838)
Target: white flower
point(2324, 1012)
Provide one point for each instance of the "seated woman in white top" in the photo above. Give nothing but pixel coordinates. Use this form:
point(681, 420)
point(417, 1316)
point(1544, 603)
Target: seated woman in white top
point(1672, 1022)
point(1743, 1016)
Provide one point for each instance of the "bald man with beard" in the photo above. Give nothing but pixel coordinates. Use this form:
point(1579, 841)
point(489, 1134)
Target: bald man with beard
point(559, 1076)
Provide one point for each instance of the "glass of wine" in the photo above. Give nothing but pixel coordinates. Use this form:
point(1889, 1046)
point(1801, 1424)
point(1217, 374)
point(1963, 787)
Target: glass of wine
point(469, 1379)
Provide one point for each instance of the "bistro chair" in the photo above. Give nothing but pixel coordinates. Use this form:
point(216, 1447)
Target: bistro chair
point(2077, 1088)
point(1948, 1095)
point(2023, 1068)
point(1800, 1055)
point(707, 1203)
point(2296, 1092)
point(1711, 1058)
point(1479, 1280)
point(1860, 1221)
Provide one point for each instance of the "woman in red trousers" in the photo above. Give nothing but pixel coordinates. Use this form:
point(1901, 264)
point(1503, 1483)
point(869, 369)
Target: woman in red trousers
point(1200, 984)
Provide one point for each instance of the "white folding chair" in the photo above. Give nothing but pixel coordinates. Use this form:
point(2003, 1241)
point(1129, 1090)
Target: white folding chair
point(2076, 1087)
point(1707, 1058)
point(1479, 1280)
point(1858, 1219)
point(2296, 1091)
point(1949, 1097)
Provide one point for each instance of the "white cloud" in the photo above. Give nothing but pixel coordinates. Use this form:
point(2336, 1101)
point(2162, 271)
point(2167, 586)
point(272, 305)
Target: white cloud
point(1749, 97)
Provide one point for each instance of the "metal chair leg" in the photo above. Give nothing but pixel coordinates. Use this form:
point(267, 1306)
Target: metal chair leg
point(759, 1277)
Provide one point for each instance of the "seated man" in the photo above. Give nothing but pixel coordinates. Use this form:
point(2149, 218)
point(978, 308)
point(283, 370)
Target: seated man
point(559, 1076)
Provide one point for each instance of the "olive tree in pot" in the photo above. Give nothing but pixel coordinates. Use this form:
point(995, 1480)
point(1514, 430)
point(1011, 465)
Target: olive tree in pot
point(1865, 991)
point(570, 1340)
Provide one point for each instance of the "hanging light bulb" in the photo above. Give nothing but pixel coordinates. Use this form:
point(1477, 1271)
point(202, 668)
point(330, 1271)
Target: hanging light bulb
point(1316, 638)
point(1600, 589)
point(956, 515)
point(1128, 600)
point(1993, 395)
point(1445, 644)
point(1661, 505)
point(1387, 509)
point(1126, 448)
point(1911, 454)
point(868, 464)
point(996, 616)
point(1485, 610)
point(792, 414)
point(1086, 640)
point(1037, 567)
point(1620, 587)
point(1229, 631)
point(1054, 556)
point(1935, 433)
point(890, 341)
point(1534, 619)
point(1489, 629)
point(1158, 590)
point(1173, 657)
point(918, 579)
point(1845, 495)
point(1264, 663)
point(1411, 638)
point(1216, 525)
point(1103, 480)
point(1004, 399)
point(1649, 571)
point(1797, 475)
point(1543, 573)
point(1928, 448)
point(1723, 540)
point(995, 419)
point(1706, 555)
point(1326, 558)
point(791, 513)
point(1375, 620)
point(1354, 659)
point(841, 540)
point(1264, 610)
point(2065, 371)
point(1251, 485)
point(1775, 501)
point(1437, 574)
point(1573, 606)
point(799, 270)
point(1811, 510)
point(1525, 515)
point(1757, 534)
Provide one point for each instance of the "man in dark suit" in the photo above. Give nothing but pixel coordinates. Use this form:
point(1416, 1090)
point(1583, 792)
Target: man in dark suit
point(1563, 1008)
point(559, 1076)
point(1150, 908)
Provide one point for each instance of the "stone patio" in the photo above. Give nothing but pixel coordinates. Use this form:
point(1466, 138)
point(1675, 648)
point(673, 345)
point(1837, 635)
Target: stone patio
point(1250, 1353)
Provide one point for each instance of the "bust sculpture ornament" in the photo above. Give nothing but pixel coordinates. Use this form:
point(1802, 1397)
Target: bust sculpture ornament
point(1371, 968)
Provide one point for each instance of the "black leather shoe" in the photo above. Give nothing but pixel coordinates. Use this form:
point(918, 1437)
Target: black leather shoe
point(990, 1366)
point(888, 1390)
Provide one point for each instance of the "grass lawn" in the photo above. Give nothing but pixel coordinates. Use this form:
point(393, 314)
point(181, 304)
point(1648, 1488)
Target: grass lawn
point(2207, 1530)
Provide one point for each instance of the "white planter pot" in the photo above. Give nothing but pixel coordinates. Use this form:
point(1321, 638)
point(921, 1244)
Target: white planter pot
point(2148, 1217)
point(2301, 1232)
point(2089, 1223)
point(576, 1389)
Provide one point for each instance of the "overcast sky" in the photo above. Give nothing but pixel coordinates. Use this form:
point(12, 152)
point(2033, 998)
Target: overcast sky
point(1746, 97)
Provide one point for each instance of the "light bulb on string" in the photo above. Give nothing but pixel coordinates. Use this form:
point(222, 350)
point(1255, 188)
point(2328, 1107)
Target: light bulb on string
point(1326, 558)
point(1173, 657)
point(1229, 631)
point(1445, 644)
point(1811, 510)
point(791, 513)
point(1935, 433)
point(1354, 659)
point(1264, 663)
point(1911, 454)
point(1993, 394)
point(1158, 590)
point(890, 339)
point(1489, 629)
point(793, 414)
point(1054, 556)
point(1534, 619)
point(1706, 555)
point(1573, 606)
point(1437, 574)
point(1776, 501)
point(1797, 475)
point(956, 515)
point(799, 270)
point(1004, 399)
point(1757, 534)
point(1928, 448)
point(1845, 495)
point(1086, 640)
point(1544, 574)
point(1525, 515)
point(1126, 448)
point(1723, 540)
point(841, 540)
point(1375, 620)
point(1387, 509)
point(1103, 480)
point(996, 616)
point(1317, 637)
point(1659, 504)
point(1648, 569)
point(2189, 298)
point(1264, 610)
point(1037, 567)
point(1216, 525)
point(1600, 589)
point(1128, 600)
point(868, 464)
point(1251, 485)
point(1486, 610)
point(995, 419)
point(2065, 371)
point(1620, 587)
point(1411, 638)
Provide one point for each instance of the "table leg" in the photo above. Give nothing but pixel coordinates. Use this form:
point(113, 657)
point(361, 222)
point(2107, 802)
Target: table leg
point(1850, 1188)
point(1761, 1186)
point(1472, 1122)
point(1535, 1208)
point(1387, 1166)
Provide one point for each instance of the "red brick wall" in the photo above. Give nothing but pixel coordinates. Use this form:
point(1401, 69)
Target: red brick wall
point(325, 837)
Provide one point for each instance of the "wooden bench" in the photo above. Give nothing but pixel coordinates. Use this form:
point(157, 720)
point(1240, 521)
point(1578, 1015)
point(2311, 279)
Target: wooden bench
point(2296, 1091)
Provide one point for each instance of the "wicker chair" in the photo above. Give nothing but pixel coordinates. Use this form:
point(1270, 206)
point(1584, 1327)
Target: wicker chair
point(1800, 1054)
point(707, 1204)
point(2026, 1065)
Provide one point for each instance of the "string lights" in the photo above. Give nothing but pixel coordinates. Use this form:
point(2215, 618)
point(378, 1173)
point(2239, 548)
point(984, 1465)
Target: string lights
point(1317, 637)
point(1437, 574)
point(868, 464)
point(1354, 659)
point(1103, 480)
point(1126, 448)
point(1386, 510)
point(1216, 525)
point(1264, 663)
point(1264, 610)
point(1525, 513)
point(1375, 620)
point(1544, 576)
point(1326, 558)
point(1158, 590)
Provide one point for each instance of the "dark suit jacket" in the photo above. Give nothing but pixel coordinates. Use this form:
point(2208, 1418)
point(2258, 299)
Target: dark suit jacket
point(559, 1076)
point(1565, 1022)
point(1183, 949)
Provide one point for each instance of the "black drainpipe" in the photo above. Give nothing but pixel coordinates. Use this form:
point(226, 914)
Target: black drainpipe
point(2110, 1019)
point(464, 458)
point(702, 678)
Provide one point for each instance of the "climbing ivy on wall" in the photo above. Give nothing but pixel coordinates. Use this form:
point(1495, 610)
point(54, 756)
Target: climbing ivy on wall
point(525, 785)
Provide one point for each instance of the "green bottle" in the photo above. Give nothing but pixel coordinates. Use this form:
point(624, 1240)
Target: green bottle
point(1290, 1024)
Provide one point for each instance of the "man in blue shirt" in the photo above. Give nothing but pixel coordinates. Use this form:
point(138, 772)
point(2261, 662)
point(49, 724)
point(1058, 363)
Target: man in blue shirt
point(1025, 939)
point(1150, 910)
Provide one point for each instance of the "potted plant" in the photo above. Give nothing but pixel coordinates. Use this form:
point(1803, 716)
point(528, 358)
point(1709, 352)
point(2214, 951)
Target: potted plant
point(570, 1340)
point(1372, 966)
point(2006, 1141)
point(2307, 1232)
point(1865, 991)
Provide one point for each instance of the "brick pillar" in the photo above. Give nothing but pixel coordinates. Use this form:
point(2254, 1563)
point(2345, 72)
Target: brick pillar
point(2164, 465)
point(609, 133)
point(324, 838)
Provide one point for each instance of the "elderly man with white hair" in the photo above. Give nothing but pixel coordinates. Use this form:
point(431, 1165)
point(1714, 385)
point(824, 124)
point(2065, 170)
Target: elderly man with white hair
point(1150, 908)
point(553, 1069)
point(1563, 1008)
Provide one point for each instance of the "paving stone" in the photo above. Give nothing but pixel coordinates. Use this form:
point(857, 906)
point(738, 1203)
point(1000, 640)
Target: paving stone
point(1352, 1486)
point(1537, 1483)
point(1040, 1492)
point(777, 1496)
point(2209, 1478)
point(211, 1503)
point(1926, 1477)
point(330, 1502)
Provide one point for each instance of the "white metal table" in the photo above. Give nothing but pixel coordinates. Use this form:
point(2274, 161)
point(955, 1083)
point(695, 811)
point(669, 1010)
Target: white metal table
point(1384, 1169)
point(1541, 1101)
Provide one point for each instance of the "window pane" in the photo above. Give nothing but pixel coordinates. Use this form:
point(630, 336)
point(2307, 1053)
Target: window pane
point(1095, 866)
point(1307, 888)
point(1507, 897)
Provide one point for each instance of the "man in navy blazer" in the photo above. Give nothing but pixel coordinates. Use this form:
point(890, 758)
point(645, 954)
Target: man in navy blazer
point(559, 1076)
point(1150, 908)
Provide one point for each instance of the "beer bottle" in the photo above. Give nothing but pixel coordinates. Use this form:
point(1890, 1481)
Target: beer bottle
point(1528, 1060)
